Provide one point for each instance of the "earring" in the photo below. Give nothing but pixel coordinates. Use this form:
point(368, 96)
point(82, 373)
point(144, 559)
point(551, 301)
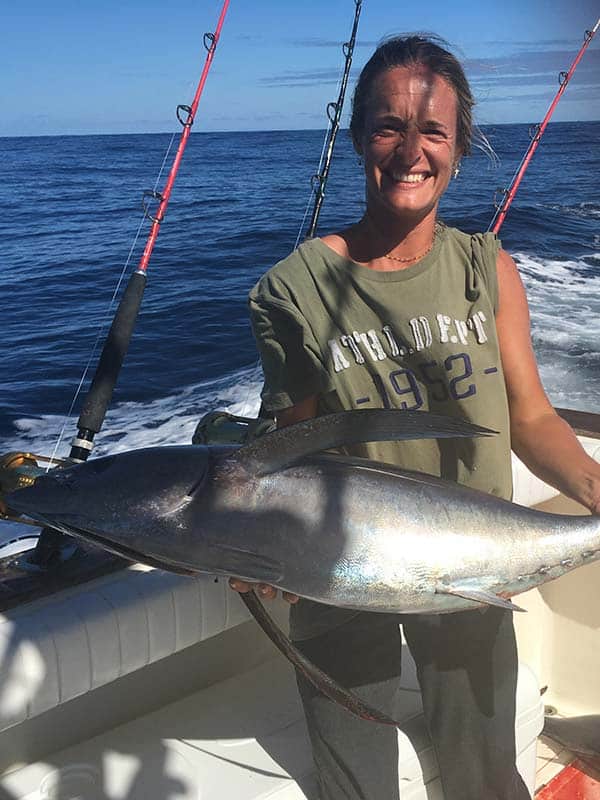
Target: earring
point(360, 161)
point(456, 172)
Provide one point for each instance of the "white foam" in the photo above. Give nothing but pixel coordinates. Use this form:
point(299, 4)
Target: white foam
point(586, 210)
point(166, 420)
point(129, 426)
point(564, 300)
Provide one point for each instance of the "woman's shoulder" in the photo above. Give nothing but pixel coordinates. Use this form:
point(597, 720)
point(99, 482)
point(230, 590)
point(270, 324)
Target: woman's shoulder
point(292, 273)
point(470, 241)
point(475, 255)
point(477, 250)
point(336, 242)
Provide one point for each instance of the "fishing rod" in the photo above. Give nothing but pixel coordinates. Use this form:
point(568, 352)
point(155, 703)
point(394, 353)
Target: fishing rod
point(119, 336)
point(536, 135)
point(334, 113)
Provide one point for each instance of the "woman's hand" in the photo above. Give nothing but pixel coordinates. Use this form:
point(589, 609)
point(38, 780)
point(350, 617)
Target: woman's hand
point(263, 590)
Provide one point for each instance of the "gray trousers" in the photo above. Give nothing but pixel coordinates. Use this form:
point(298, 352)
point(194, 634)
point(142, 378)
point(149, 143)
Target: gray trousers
point(467, 669)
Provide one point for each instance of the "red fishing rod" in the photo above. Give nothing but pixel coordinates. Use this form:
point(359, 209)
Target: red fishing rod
point(210, 42)
point(117, 341)
point(100, 392)
point(538, 132)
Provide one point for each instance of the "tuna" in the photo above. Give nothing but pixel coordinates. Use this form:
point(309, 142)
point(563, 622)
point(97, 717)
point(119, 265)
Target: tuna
point(335, 529)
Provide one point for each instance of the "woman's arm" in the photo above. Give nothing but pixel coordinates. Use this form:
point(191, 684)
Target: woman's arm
point(539, 437)
point(307, 409)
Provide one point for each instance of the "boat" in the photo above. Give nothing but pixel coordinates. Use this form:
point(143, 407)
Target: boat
point(137, 683)
point(144, 684)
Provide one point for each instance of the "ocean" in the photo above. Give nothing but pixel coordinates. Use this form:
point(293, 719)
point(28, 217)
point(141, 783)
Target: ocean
point(72, 207)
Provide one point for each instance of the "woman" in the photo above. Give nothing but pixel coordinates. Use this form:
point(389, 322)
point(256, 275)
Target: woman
point(399, 310)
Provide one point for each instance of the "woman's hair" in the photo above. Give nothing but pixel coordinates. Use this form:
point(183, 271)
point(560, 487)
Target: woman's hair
point(416, 50)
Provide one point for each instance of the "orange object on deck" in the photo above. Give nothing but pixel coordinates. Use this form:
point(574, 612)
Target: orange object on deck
point(575, 782)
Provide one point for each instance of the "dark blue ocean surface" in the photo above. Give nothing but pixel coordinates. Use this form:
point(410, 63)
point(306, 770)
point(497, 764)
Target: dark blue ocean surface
point(72, 208)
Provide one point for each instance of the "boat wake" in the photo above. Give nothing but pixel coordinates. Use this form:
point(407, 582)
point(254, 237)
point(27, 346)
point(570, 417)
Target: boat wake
point(564, 300)
point(129, 426)
point(585, 210)
point(165, 420)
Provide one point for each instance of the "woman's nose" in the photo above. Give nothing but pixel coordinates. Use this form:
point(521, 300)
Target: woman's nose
point(409, 148)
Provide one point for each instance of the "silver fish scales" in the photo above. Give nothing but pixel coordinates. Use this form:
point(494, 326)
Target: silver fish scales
point(335, 529)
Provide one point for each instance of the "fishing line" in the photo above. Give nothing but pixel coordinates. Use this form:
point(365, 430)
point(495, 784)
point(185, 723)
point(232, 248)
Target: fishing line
point(255, 370)
point(311, 195)
point(99, 395)
point(334, 113)
point(103, 322)
point(119, 336)
point(319, 179)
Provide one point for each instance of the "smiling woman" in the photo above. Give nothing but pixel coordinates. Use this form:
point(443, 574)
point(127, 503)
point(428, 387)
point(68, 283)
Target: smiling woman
point(409, 140)
point(399, 310)
point(411, 124)
point(409, 146)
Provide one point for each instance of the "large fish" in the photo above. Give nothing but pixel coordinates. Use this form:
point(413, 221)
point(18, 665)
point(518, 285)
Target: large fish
point(339, 530)
point(336, 529)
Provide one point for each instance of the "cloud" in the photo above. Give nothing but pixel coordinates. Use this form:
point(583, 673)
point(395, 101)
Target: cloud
point(528, 76)
point(529, 44)
point(588, 93)
point(251, 37)
point(313, 77)
point(533, 61)
point(315, 42)
point(544, 80)
point(318, 41)
point(532, 76)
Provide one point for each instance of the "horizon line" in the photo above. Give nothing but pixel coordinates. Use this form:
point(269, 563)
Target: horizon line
point(256, 130)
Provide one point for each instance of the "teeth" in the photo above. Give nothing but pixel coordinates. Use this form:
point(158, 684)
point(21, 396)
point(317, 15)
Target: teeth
point(415, 177)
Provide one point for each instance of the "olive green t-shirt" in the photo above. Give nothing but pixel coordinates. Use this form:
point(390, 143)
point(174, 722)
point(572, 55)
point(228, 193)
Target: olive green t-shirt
point(422, 337)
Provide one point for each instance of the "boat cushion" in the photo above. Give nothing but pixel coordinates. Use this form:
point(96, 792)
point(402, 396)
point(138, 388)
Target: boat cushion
point(59, 648)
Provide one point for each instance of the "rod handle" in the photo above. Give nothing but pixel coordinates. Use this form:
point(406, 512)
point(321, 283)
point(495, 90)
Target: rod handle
point(100, 393)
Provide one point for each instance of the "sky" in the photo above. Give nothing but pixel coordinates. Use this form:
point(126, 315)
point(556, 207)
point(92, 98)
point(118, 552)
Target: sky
point(122, 66)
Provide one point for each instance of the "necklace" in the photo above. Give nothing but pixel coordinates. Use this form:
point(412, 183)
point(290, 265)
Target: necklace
point(412, 258)
point(439, 225)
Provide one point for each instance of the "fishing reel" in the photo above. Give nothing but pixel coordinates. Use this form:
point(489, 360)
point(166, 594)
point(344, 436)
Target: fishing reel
point(18, 470)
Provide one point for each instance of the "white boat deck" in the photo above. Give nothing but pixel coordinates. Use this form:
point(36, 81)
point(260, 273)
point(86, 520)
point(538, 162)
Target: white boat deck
point(551, 759)
point(243, 737)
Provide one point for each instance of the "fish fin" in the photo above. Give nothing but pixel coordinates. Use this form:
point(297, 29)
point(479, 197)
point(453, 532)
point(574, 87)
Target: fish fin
point(243, 564)
point(321, 680)
point(479, 596)
point(285, 446)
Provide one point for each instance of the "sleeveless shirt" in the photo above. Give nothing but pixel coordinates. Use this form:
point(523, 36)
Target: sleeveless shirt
point(422, 337)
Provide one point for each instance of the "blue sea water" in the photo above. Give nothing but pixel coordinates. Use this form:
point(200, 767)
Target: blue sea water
point(72, 209)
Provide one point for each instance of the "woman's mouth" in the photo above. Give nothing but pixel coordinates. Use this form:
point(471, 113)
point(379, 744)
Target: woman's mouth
point(410, 178)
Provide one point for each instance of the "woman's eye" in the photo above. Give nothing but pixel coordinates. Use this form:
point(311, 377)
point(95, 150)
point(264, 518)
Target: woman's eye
point(385, 130)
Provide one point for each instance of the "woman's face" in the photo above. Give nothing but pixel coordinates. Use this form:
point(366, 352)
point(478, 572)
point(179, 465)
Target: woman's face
point(408, 142)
